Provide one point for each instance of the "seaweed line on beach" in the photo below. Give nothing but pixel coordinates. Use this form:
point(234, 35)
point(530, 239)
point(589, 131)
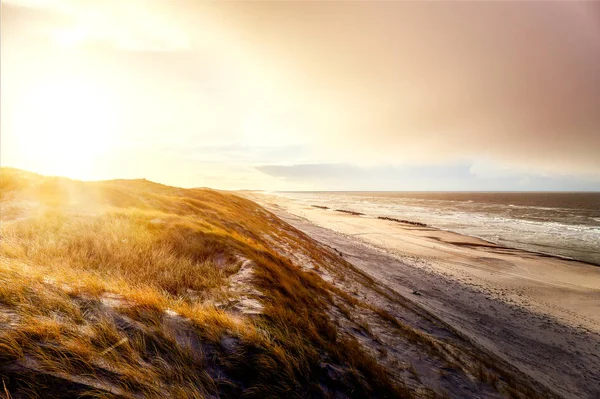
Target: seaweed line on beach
point(402, 221)
point(350, 212)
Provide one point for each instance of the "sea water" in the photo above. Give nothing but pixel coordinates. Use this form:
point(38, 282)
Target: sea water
point(563, 224)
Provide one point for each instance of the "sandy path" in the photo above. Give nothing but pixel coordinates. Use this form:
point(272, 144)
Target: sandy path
point(542, 314)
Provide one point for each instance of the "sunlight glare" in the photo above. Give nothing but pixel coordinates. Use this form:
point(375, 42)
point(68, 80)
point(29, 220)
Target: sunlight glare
point(66, 127)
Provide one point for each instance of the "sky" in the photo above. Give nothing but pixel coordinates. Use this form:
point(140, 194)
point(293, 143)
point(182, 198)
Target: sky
point(465, 95)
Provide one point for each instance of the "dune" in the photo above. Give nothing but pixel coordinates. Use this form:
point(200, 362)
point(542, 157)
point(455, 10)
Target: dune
point(133, 289)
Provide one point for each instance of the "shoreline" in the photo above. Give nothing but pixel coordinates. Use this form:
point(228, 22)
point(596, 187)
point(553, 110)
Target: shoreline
point(518, 237)
point(464, 257)
point(499, 245)
point(524, 306)
point(494, 244)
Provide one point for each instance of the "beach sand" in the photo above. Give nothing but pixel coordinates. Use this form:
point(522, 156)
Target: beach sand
point(538, 312)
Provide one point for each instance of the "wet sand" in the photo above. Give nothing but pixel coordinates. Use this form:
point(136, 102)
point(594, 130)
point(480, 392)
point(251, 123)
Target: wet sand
point(540, 313)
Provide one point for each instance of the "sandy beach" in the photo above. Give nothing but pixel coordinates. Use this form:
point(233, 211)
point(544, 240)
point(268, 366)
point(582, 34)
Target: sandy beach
point(540, 313)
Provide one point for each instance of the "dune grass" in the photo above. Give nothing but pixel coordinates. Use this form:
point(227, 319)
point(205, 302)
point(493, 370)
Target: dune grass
point(120, 288)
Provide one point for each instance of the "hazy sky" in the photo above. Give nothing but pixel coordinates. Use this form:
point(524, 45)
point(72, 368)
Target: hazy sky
point(305, 95)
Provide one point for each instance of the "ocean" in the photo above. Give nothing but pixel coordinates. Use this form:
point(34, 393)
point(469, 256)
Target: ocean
point(563, 224)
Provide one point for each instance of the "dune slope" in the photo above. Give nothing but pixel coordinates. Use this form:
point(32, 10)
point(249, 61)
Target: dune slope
point(129, 288)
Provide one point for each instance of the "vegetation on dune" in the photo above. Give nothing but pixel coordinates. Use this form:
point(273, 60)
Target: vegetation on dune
point(123, 289)
point(133, 289)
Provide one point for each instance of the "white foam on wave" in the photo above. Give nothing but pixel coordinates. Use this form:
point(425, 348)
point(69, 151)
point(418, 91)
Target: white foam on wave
point(563, 236)
point(544, 208)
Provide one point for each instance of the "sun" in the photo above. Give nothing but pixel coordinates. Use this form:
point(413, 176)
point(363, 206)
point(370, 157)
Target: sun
point(64, 127)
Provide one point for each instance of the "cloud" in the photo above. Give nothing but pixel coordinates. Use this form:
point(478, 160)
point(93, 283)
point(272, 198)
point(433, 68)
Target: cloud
point(434, 81)
point(458, 176)
point(414, 91)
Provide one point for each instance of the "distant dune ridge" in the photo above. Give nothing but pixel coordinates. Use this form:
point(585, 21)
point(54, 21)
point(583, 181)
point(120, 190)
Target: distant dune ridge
point(133, 289)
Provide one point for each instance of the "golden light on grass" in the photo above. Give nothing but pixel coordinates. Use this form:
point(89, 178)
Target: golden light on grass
point(140, 289)
point(145, 268)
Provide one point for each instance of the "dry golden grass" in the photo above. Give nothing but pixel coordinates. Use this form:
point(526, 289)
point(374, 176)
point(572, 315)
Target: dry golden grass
point(119, 288)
